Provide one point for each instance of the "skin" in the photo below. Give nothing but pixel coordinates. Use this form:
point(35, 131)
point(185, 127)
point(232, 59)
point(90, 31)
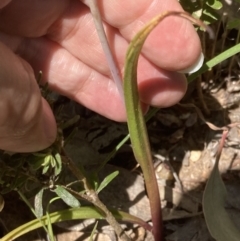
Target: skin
point(59, 38)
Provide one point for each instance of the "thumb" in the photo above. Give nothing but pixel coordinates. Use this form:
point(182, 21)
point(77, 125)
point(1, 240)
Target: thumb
point(27, 123)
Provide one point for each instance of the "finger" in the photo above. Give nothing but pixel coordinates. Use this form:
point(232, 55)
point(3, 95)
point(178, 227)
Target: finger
point(73, 78)
point(172, 45)
point(71, 38)
point(69, 34)
point(26, 121)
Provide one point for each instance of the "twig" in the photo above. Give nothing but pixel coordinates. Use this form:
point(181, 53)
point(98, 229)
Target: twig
point(103, 39)
point(92, 197)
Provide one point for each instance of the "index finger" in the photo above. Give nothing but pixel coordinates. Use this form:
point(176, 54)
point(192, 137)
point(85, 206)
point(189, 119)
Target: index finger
point(173, 45)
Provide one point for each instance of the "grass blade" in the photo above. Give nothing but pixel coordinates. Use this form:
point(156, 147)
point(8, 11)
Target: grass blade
point(107, 180)
point(214, 61)
point(71, 214)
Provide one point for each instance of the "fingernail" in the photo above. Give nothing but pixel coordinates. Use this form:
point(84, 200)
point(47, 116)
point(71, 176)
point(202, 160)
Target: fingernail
point(195, 67)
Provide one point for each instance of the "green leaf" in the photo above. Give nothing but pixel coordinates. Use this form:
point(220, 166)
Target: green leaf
point(107, 180)
point(214, 4)
point(205, 10)
point(38, 207)
point(71, 214)
point(218, 221)
point(209, 15)
point(47, 160)
point(136, 121)
point(67, 197)
point(58, 164)
point(45, 169)
point(52, 161)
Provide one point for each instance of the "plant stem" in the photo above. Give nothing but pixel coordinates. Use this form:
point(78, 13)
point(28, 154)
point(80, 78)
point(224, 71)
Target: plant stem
point(103, 39)
point(92, 197)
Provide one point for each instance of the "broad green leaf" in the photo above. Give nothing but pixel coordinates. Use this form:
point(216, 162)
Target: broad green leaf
point(107, 180)
point(218, 221)
point(72, 214)
point(38, 207)
point(67, 197)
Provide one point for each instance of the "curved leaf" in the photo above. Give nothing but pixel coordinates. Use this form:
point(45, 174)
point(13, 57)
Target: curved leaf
point(71, 214)
point(136, 121)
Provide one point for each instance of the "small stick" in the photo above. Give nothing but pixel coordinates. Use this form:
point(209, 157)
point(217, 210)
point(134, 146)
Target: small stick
point(103, 39)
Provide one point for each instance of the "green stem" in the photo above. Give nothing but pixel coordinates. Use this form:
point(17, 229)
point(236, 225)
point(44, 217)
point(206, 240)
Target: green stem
point(136, 122)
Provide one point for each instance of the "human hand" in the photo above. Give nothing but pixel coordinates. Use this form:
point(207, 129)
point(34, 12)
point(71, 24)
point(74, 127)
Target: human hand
point(59, 38)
